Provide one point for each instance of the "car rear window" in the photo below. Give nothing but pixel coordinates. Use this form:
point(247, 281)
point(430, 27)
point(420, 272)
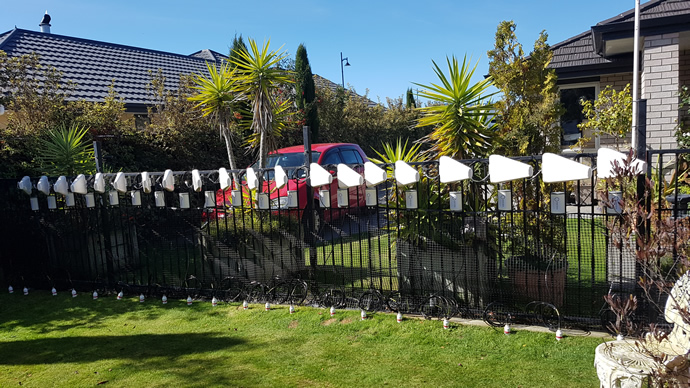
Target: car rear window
point(332, 157)
point(351, 156)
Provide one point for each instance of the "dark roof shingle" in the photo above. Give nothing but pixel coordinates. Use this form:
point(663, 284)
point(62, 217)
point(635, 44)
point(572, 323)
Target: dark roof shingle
point(652, 10)
point(94, 65)
point(576, 51)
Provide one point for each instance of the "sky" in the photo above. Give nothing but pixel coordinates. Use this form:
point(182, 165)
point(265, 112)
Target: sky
point(390, 45)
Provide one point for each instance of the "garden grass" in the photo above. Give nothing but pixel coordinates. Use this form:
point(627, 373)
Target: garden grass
point(75, 342)
point(586, 250)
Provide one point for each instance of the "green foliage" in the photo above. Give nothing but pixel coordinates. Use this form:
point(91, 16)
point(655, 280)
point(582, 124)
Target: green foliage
point(34, 94)
point(683, 128)
point(406, 222)
point(401, 151)
point(609, 114)
point(216, 94)
point(529, 111)
point(425, 223)
point(460, 116)
point(36, 108)
point(346, 117)
point(102, 118)
point(305, 91)
point(176, 133)
point(32, 107)
point(67, 151)
point(410, 102)
point(528, 121)
point(258, 78)
point(177, 130)
point(238, 46)
point(169, 137)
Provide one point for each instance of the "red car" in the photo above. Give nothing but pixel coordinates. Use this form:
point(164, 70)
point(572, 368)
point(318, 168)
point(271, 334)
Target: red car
point(290, 159)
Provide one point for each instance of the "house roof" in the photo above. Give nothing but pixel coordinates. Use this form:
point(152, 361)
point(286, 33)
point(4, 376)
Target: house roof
point(209, 55)
point(324, 83)
point(652, 10)
point(94, 65)
point(576, 57)
point(587, 54)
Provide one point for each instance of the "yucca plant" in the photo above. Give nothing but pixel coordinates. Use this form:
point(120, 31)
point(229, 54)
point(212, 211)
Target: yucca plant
point(411, 224)
point(426, 222)
point(216, 95)
point(391, 154)
point(400, 151)
point(67, 151)
point(281, 119)
point(258, 77)
point(460, 113)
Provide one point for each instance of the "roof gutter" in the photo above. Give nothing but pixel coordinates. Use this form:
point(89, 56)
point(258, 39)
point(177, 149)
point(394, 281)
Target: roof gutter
point(625, 30)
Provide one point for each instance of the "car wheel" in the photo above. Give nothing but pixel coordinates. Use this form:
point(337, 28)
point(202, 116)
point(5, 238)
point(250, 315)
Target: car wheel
point(318, 218)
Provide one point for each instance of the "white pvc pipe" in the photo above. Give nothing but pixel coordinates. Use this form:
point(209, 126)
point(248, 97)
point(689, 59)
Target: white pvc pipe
point(636, 74)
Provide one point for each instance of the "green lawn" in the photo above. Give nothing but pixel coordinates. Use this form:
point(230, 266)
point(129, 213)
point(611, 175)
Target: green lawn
point(586, 243)
point(361, 261)
point(73, 342)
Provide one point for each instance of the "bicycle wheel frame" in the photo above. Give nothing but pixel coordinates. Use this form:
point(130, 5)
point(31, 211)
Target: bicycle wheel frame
point(371, 301)
point(256, 293)
point(398, 303)
point(496, 314)
point(298, 293)
point(333, 298)
point(280, 293)
point(438, 307)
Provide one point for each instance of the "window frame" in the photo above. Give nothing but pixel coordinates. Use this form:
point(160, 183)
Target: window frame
point(580, 85)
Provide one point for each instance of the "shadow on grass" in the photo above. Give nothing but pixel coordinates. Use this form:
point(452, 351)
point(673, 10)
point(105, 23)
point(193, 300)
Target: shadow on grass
point(141, 347)
point(41, 312)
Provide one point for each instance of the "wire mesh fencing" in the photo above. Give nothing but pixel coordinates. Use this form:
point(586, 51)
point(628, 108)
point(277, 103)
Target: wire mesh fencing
point(475, 243)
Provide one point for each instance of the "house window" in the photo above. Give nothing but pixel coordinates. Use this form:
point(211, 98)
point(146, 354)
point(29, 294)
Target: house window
point(571, 95)
point(141, 121)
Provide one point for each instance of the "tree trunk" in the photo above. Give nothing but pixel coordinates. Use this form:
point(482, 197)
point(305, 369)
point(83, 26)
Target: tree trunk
point(262, 159)
point(231, 156)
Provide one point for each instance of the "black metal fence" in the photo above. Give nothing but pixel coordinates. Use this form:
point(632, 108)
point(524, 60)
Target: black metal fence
point(478, 255)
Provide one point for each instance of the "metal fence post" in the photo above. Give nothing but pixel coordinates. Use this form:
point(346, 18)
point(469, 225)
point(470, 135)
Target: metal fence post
point(308, 216)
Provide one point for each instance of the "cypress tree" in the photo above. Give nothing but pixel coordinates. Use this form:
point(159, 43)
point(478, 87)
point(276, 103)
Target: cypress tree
point(306, 91)
point(237, 46)
point(410, 102)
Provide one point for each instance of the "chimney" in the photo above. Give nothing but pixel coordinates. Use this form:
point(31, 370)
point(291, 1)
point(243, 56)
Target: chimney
point(45, 23)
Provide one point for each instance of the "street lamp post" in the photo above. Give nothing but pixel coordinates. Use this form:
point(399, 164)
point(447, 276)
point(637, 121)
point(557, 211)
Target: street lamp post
point(342, 72)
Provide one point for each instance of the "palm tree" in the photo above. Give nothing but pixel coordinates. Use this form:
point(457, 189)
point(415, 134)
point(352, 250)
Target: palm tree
point(259, 78)
point(460, 115)
point(216, 95)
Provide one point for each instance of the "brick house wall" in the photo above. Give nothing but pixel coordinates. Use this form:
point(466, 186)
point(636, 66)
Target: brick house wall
point(660, 84)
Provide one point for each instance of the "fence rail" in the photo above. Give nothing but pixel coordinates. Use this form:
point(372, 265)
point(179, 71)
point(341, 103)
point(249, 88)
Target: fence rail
point(479, 256)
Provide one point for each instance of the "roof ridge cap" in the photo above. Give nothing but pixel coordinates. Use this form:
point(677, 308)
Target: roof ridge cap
point(7, 34)
point(623, 15)
point(211, 52)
